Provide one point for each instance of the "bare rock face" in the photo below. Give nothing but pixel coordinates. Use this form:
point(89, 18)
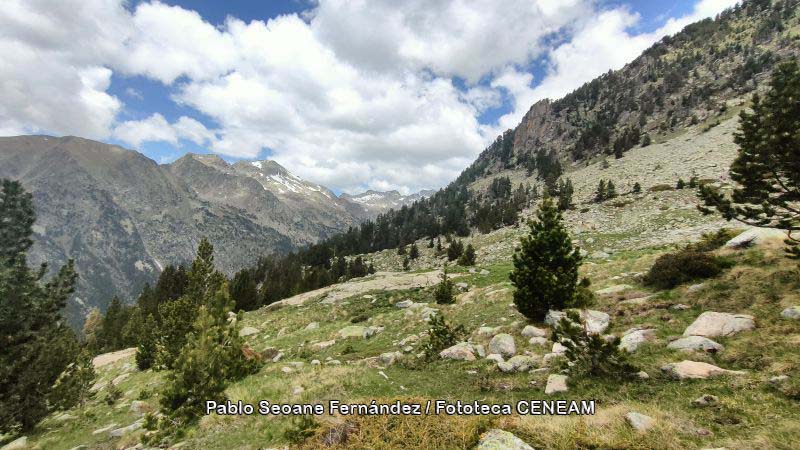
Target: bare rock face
point(695, 370)
point(711, 324)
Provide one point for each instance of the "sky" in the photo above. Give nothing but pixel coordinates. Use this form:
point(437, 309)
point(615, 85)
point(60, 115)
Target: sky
point(350, 94)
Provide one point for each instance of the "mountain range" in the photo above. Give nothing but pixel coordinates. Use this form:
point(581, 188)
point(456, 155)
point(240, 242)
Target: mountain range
point(123, 217)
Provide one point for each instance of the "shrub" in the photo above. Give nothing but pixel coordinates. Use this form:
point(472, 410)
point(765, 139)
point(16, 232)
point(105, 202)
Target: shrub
point(591, 355)
point(673, 269)
point(302, 428)
point(72, 386)
point(113, 393)
point(712, 241)
point(441, 336)
point(661, 188)
point(443, 294)
point(637, 188)
point(414, 252)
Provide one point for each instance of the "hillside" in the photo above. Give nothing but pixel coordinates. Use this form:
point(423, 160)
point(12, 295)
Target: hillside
point(123, 217)
point(316, 351)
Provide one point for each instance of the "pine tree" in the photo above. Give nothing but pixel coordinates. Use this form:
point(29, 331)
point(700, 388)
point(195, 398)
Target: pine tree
point(401, 249)
point(441, 335)
point(680, 184)
point(443, 293)
point(212, 357)
point(565, 191)
point(545, 266)
point(91, 330)
point(430, 243)
point(468, 257)
point(645, 140)
point(147, 349)
point(73, 384)
point(637, 188)
point(244, 291)
point(600, 193)
point(611, 190)
point(414, 252)
point(36, 344)
point(591, 355)
point(455, 250)
point(767, 167)
point(406, 263)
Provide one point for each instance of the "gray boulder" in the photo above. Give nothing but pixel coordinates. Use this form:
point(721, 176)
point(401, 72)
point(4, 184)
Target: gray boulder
point(461, 352)
point(698, 343)
point(791, 313)
point(497, 439)
point(712, 324)
point(639, 422)
point(503, 344)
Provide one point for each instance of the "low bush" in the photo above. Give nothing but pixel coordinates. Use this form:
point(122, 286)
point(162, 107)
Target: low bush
point(591, 355)
point(712, 241)
point(673, 269)
point(441, 336)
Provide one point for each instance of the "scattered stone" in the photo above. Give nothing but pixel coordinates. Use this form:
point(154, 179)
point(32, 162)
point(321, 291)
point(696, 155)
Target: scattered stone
point(538, 341)
point(497, 439)
point(711, 324)
point(705, 400)
point(297, 390)
point(296, 364)
point(119, 379)
point(287, 369)
point(427, 313)
point(104, 429)
point(17, 444)
point(496, 357)
point(636, 301)
point(484, 272)
point(323, 345)
point(643, 375)
point(248, 331)
point(463, 286)
point(404, 304)
point(461, 351)
point(486, 331)
point(634, 338)
point(532, 331)
point(596, 322)
point(755, 236)
point(556, 383)
point(519, 363)
point(277, 357)
point(639, 422)
point(315, 362)
point(791, 313)
point(480, 350)
point(503, 344)
point(333, 362)
point(139, 407)
point(352, 331)
point(616, 289)
point(698, 343)
point(695, 370)
point(312, 326)
point(695, 288)
point(778, 379)
point(599, 255)
point(119, 432)
point(546, 359)
point(389, 358)
point(372, 331)
point(558, 349)
point(679, 307)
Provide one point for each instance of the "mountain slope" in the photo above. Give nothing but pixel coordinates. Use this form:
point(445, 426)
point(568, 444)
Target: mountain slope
point(121, 216)
point(376, 202)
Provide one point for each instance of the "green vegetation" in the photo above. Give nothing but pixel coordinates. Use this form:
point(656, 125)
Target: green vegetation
point(441, 335)
point(591, 355)
point(443, 293)
point(545, 266)
point(766, 169)
point(41, 366)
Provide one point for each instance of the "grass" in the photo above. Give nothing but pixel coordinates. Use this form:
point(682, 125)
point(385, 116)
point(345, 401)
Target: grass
point(751, 412)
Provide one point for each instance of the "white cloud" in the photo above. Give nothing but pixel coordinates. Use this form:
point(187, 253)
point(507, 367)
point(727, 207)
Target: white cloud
point(156, 129)
point(353, 94)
